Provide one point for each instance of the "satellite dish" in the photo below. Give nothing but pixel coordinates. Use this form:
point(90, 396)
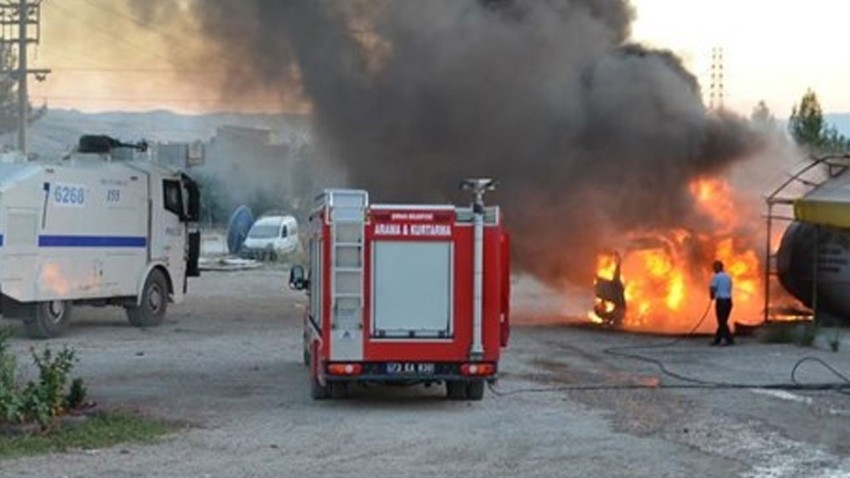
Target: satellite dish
point(237, 228)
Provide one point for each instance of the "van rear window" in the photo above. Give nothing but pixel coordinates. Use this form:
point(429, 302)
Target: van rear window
point(261, 231)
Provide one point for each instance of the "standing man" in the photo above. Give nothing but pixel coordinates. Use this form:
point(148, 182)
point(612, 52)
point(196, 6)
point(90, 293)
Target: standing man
point(721, 292)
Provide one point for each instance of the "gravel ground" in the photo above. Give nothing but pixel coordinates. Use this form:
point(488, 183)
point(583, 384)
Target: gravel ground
point(228, 364)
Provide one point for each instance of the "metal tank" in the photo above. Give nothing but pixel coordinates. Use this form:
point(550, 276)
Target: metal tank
point(802, 245)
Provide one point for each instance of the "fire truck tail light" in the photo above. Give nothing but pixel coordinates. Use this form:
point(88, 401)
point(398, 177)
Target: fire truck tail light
point(477, 369)
point(345, 369)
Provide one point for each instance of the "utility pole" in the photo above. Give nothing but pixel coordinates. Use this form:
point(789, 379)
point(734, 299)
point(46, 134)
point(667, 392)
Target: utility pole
point(24, 20)
point(717, 88)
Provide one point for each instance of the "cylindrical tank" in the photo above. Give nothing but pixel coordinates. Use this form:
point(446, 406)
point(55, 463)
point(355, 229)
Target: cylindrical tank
point(801, 245)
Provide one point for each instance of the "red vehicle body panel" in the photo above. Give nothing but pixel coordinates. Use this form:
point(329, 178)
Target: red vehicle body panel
point(431, 223)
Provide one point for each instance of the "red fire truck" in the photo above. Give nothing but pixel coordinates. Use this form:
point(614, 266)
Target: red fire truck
point(404, 294)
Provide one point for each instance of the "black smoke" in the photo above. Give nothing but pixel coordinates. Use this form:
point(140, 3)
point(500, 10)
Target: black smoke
point(589, 135)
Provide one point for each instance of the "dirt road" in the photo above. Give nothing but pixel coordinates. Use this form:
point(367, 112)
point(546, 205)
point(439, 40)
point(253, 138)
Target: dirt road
point(228, 364)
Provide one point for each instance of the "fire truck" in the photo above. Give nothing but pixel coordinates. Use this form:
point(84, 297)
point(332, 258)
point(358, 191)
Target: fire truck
point(404, 294)
point(102, 226)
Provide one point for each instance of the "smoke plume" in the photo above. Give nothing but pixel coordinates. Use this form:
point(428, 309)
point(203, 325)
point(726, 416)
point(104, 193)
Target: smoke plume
point(589, 134)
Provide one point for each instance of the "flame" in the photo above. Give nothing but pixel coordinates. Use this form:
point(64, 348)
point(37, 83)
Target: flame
point(52, 278)
point(665, 274)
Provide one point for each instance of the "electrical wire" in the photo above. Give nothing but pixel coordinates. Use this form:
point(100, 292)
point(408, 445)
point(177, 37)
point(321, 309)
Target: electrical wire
point(689, 382)
point(104, 31)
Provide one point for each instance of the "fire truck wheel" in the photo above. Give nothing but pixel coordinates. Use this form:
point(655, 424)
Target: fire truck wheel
point(317, 390)
point(475, 390)
point(48, 319)
point(151, 311)
point(340, 390)
point(456, 390)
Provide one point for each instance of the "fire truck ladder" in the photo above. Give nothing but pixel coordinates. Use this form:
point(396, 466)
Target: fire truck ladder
point(780, 208)
point(347, 218)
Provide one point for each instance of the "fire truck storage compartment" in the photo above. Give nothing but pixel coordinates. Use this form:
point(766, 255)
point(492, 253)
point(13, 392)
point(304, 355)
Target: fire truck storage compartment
point(415, 283)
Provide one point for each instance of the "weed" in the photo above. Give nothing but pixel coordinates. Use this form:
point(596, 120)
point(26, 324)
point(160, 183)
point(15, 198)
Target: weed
point(835, 342)
point(42, 401)
point(808, 334)
point(98, 431)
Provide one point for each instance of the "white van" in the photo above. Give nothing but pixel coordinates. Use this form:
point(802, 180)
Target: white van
point(271, 236)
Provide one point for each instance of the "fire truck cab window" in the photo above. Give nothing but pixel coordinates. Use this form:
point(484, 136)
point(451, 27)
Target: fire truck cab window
point(172, 196)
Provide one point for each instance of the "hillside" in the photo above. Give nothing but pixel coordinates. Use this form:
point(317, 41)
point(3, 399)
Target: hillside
point(59, 129)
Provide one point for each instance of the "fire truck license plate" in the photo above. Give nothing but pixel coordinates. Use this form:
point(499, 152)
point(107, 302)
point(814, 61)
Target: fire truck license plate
point(406, 368)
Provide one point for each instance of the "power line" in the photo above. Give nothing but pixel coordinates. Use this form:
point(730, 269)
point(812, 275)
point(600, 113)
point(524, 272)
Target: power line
point(133, 20)
point(104, 31)
point(97, 69)
point(153, 100)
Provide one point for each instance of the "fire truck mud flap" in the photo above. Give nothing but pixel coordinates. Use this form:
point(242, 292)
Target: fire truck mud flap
point(465, 390)
point(318, 390)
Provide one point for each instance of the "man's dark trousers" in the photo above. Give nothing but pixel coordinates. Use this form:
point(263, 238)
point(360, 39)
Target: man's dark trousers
point(722, 308)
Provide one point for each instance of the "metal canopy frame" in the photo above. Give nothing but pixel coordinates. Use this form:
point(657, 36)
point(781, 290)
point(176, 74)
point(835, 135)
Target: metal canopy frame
point(834, 165)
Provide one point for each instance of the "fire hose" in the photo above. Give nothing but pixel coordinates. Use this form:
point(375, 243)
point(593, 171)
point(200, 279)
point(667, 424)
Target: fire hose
point(843, 386)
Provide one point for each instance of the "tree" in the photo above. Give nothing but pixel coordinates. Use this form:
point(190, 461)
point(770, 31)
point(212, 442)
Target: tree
point(762, 117)
point(806, 122)
point(808, 128)
point(834, 142)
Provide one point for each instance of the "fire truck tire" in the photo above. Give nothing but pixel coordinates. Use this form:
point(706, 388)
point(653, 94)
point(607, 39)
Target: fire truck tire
point(317, 390)
point(340, 390)
point(456, 390)
point(151, 311)
point(48, 319)
point(475, 390)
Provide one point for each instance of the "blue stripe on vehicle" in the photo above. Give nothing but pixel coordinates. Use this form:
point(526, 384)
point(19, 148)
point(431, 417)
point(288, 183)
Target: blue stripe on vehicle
point(1, 240)
point(91, 241)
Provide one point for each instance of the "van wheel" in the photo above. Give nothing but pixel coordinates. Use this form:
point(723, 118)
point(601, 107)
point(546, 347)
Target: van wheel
point(48, 319)
point(151, 311)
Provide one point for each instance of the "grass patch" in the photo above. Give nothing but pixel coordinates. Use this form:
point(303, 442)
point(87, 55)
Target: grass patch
point(99, 431)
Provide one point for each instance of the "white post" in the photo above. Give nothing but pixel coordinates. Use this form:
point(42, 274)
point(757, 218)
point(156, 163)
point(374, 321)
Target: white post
point(477, 350)
point(478, 187)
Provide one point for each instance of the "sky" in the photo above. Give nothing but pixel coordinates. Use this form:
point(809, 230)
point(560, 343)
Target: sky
point(773, 49)
point(105, 58)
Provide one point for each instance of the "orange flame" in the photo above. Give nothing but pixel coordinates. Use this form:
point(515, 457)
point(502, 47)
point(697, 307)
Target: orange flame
point(54, 281)
point(665, 274)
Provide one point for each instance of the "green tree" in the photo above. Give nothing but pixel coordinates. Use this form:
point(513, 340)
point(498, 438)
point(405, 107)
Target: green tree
point(834, 142)
point(809, 129)
point(762, 117)
point(806, 122)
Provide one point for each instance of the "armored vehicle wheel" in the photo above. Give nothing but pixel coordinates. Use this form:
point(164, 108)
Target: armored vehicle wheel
point(48, 319)
point(151, 311)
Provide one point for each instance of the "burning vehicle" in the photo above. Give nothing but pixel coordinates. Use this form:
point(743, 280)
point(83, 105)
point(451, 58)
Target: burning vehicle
point(657, 281)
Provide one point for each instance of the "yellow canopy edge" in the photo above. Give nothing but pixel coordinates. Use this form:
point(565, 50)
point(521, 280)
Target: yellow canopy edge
point(823, 212)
